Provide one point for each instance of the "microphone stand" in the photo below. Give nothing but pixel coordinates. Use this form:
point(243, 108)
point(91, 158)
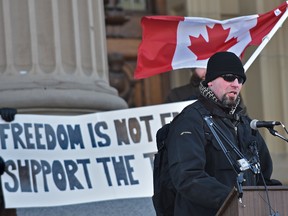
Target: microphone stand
point(275, 133)
point(240, 165)
point(240, 179)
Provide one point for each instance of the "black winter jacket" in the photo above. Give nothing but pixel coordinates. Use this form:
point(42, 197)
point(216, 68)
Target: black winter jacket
point(200, 171)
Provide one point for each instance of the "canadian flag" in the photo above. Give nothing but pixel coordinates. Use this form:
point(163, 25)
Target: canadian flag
point(173, 42)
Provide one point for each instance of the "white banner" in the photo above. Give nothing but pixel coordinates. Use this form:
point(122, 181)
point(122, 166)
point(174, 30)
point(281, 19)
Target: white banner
point(62, 160)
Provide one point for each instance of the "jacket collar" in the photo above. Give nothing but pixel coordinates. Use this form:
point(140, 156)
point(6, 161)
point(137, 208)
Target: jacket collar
point(216, 110)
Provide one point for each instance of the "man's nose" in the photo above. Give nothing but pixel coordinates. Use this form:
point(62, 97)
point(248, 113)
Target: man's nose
point(236, 82)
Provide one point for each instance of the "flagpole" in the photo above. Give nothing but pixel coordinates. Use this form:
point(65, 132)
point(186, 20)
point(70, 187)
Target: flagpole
point(266, 40)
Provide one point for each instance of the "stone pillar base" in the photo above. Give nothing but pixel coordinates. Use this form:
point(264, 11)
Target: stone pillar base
point(60, 101)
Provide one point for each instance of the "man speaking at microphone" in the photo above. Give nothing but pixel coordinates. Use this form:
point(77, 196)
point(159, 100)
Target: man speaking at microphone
point(198, 167)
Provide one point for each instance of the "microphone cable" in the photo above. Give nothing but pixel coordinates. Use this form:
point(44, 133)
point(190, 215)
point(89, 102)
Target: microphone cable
point(255, 151)
point(271, 210)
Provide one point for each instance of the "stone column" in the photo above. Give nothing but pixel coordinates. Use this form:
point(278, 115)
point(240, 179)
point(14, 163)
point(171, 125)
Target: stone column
point(53, 57)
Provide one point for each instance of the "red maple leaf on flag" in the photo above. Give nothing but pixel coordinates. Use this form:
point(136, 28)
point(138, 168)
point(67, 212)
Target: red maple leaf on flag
point(216, 42)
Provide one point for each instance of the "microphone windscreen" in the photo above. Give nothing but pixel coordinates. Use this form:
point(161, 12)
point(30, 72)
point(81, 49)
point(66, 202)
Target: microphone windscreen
point(253, 124)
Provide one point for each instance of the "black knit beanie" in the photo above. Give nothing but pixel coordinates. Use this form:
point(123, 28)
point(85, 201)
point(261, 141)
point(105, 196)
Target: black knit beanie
point(223, 63)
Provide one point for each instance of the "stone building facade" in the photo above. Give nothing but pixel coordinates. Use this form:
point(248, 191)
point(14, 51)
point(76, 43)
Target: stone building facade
point(54, 60)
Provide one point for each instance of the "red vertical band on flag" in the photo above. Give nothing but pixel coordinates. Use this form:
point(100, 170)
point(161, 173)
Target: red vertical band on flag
point(265, 23)
point(156, 51)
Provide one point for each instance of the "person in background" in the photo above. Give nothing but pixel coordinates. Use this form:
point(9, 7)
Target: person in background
point(8, 115)
point(191, 90)
point(199, 168)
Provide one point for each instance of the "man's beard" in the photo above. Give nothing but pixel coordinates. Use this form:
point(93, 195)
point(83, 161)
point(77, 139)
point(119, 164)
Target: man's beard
point(228, 101)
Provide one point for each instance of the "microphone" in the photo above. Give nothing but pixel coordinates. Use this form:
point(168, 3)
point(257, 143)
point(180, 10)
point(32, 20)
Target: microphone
point(254, 124)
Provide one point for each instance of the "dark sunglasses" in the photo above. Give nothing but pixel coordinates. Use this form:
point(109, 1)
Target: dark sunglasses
point(232, 77)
